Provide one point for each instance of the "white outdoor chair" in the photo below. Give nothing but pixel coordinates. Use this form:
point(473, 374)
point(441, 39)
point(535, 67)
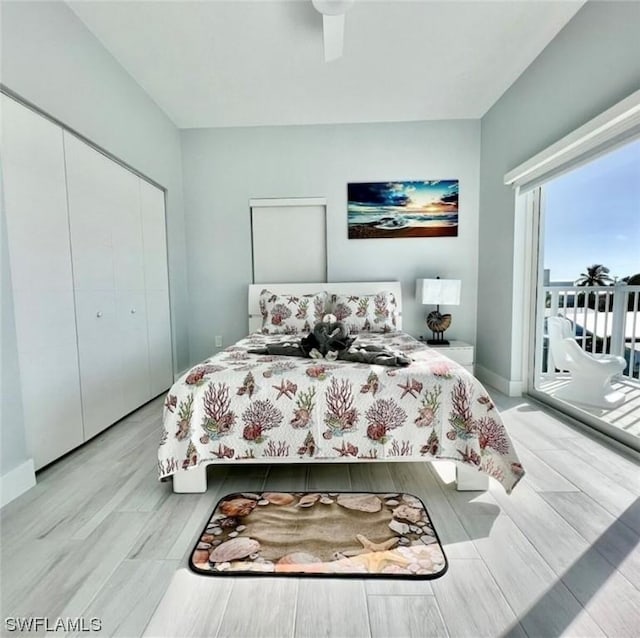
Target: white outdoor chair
point(590, 374)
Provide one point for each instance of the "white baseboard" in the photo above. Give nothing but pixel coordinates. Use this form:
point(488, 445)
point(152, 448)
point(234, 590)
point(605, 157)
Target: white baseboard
point(510, 388)
point(17, 481)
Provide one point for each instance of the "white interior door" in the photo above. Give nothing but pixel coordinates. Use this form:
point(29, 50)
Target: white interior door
point(126, 230)
point(131, 309)
point(159, 339)
point(100, 347)
point(129, 277)
point(40, 260)
point(289, 243)
point(96, 191)
point(91, 209)
point(156, 288)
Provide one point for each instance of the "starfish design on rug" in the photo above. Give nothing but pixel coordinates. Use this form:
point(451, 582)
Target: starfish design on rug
point(375, 561)
point(370, 546)
point(286, 388)
point(410, 387)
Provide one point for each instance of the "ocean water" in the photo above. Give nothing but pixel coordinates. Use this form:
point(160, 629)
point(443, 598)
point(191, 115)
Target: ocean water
point(422, 220)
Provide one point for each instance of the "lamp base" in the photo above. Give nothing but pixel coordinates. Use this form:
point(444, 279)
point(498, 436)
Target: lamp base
point(438, 323)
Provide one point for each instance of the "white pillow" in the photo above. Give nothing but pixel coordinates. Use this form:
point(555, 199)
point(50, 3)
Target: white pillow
point(291, 314)
point(367, 313)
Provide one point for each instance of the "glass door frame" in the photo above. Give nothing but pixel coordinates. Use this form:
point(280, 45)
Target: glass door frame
point(532, 205)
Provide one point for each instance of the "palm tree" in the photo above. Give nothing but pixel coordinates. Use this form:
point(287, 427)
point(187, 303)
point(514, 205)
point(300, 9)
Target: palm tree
point(596, 275)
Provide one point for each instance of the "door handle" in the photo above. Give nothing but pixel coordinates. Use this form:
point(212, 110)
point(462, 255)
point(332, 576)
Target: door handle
point(133, 311)
point(98, 314)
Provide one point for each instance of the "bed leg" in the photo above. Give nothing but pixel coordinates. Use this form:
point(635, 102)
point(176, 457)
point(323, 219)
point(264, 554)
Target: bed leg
point(470, 480)
point(194, 480)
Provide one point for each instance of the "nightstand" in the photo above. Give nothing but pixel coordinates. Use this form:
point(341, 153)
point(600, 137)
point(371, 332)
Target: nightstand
point(460, 351)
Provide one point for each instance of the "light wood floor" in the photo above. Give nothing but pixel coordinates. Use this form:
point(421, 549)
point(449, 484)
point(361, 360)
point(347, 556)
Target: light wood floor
point(100, 537)
point(625, 417)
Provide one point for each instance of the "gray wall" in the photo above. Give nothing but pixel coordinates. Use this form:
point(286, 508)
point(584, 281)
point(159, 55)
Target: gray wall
point(52, 60)
point(224, 168)
point(592, 63)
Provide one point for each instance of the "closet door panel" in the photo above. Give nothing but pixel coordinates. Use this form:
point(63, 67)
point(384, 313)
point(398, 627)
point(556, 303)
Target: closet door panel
point(132, 317)
point(109, 273)
point(91, 210)
point(99, 347)
point(51, 408)
point(126, 232)
point(157, 288)
point(154, 236)
point(45, 319)
point(159, 332)
point(35, 199)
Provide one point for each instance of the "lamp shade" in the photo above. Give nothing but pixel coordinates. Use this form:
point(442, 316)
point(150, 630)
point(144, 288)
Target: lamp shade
point(439, 291)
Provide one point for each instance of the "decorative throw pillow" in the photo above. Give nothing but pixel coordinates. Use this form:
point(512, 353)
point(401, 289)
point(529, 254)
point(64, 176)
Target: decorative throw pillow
point(291, 314)
point(372, 313)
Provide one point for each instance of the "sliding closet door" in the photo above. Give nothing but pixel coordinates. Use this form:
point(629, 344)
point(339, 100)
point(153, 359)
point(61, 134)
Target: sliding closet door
point(97, 190)
point(121, 285)
point(128, 260)
point(289, 241)
point(41, 274)
point(156, 288)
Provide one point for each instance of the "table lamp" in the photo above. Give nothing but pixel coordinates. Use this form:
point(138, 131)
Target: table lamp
point(435, 292)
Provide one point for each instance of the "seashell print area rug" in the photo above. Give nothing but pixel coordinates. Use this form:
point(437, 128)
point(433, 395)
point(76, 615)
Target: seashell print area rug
point(359, 534)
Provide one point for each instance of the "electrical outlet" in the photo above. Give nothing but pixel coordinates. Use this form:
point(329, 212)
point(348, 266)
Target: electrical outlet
point(218, 341)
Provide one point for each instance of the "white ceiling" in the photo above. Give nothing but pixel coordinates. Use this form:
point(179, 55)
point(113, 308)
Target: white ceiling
point(237, 63)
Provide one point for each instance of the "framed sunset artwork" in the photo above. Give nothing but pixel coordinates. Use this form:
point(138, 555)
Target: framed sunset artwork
point(403, 209)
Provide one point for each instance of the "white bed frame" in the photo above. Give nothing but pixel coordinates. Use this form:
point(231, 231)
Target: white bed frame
point(195, 479)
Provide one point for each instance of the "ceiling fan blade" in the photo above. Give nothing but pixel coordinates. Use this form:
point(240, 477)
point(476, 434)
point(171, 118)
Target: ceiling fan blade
point(333, 36)
point(332, 25)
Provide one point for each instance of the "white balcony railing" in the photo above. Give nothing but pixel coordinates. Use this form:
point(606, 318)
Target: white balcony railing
point(605, 319)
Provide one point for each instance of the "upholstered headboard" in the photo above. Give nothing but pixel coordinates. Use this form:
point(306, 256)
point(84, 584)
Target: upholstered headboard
point(342, 288)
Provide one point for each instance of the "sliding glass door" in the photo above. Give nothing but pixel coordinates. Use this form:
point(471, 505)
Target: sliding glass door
point(587, 273)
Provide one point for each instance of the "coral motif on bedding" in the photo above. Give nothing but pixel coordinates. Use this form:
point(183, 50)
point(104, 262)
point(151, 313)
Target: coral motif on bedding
point(278, 367)
point(233, 408)
point(223, 452)
point(290, 314)
point(302, 414)
point(197, 374)
point(382, 416)
point(185, 412)
point(218, 418)
point(429, 407)
point(341, 415)
point(368, 313)
point(261, 415)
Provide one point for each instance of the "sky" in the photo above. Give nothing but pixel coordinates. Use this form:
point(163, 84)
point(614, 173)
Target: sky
point(592, 216)
point(408, 197)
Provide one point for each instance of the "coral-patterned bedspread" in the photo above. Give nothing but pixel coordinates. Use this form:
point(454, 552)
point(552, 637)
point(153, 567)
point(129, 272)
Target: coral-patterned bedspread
point(237, 407)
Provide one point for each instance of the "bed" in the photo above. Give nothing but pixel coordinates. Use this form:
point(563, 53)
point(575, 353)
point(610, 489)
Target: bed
point(239, 407)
